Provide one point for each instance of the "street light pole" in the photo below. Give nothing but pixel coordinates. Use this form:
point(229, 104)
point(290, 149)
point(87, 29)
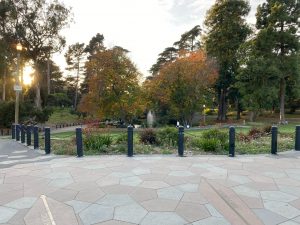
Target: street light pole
point(17, 86)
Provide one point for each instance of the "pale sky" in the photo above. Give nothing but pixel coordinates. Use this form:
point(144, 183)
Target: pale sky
point(144, 27)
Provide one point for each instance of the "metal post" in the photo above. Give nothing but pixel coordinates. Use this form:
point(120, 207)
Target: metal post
point(130, 141)
point(28, 135)
point(47, 141)
point(181, 141)
point(79, 142)
point(35, 137)
point(18, 132)
point(22, 133)
point(274, 131)
point(231, 142)
point(297, 139)
point(13, 131)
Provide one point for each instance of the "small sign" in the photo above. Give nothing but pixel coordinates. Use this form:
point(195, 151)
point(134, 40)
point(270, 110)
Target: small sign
point(17, 87)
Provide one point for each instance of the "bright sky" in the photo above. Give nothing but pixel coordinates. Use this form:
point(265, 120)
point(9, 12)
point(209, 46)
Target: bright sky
point(144, 27)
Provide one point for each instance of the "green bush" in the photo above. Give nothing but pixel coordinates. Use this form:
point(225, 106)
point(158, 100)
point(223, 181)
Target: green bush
point(148, 136)
point(97, 142)
point(59, 99)
point(208, 145)
point(168, 136)
point(221, 136)
point(121, 139)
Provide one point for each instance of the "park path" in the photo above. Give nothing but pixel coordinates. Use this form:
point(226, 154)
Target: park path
point(149, 190)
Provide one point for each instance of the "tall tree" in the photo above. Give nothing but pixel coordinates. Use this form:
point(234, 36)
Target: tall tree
point(37, 25)
point(114, 90)
point(278, 41)
point(75, 57)
point(182, 85)
point(227, 30)
point(190, 40)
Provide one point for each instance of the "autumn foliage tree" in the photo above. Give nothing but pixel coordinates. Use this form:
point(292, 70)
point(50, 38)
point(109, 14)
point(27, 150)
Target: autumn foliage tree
point(113, 86)
point(182, 85)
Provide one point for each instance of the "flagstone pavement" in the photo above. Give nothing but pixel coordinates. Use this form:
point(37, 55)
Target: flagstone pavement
point(147, 190)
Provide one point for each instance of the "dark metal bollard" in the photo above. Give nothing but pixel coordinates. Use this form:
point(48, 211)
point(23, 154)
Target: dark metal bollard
point(130, 141)
point(18, 132)
point(22, 133)
point(28, 135)
point(297, 139)
point(47, 140)
point(274, 132)
point(79, 142)
point(181, 141)
point(13, 131)
point(35, 137)
point(231, 141)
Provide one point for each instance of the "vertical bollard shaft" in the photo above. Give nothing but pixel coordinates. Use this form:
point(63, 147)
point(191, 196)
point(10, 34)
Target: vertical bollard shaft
point(130, 141)
point(180, 141)
point(18, 132)
point(36, 137)
point(231, 142)
point(297, 139)
point(28, 135)
point(22, 133)
point(274, 131)
point(79, 142)
point(13, 131)
point(47, 140)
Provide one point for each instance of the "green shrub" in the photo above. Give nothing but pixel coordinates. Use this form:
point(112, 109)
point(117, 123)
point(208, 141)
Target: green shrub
point(121, 139)
point(209, 145)
point(148, 136)
point(97, 142)
point(168, 136)
point(221, 136)
point(59, 99)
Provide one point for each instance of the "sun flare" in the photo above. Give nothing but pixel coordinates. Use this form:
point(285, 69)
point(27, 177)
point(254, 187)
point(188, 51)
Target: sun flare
point(28, 75)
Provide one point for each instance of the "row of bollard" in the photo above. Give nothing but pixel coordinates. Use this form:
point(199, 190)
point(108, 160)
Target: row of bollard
point(20, 130)
point(22, 133)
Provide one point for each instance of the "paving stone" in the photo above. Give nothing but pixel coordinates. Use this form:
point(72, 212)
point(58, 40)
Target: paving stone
point(63, 195)
point(246, 191)
point(118, 189)
point(170, 193)
point(143, 194)
point(239, 179)
point(61, 182)
point(154, 184)
point(114, 222)
point(22, 203)
point(131, 181)
point(108, 181)
point(141, 171)
point(160, 205)
point(78, 206)
point(133, 213)
point(8, 196)
point(92, 215)
point(90, 195)
point(115, 200)
point(180, 173)
point(290, 190)
point(253, 203)
point(295, 203)
point(194, 198)
point(192, 212)
point(275, 174)
point(6, 214)
point(38, 215)
point(121, 174)
point(213, 211)
point(58, 175)
point(268, 217)
point(289, 223)
point(94, 167)
point(18, 218)
point(277, 196)
point(212, 221)
point(282, 208)
point(163, 218)
point(297, 219)
point(188, 187)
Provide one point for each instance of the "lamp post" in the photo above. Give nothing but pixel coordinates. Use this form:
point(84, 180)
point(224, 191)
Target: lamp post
point(204, 115)
point(17, 86)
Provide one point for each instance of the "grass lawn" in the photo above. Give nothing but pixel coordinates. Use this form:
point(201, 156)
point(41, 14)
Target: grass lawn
point(62, 116)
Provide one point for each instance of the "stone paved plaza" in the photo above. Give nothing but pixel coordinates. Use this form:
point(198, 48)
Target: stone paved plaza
point(147, 190)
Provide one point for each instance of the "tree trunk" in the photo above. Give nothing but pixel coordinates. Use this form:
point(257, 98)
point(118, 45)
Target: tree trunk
point(76, 90)
point(48, 77)
point(37, 100)
point(282, 100)
point(222, 105)
point(4, 86)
